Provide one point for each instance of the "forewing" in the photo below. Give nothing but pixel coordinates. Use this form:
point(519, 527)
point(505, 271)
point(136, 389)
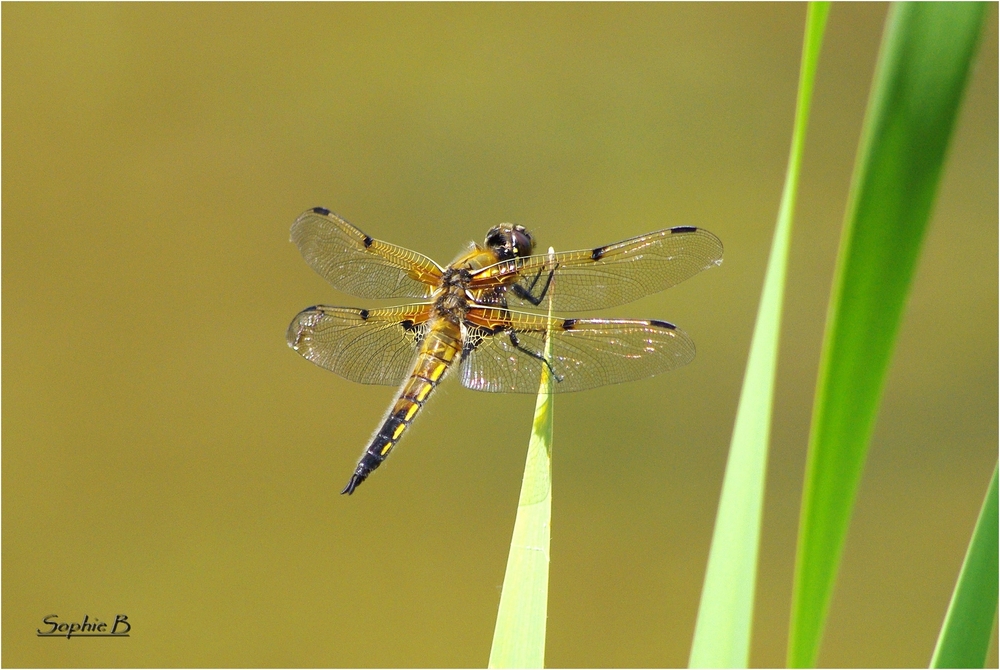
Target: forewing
point(367, 346)
point(605, 276)
point(586, 353)
point(357, 264)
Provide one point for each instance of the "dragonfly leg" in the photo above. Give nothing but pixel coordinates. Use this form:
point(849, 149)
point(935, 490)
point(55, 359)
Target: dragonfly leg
point(534, 354)
point(535, 280)
point(527, 293)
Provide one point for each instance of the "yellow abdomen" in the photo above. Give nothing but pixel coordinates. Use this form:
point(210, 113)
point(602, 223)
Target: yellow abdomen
point(440, 348)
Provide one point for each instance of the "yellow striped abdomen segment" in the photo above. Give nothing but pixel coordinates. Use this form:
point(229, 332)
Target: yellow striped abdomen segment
point(438, 351)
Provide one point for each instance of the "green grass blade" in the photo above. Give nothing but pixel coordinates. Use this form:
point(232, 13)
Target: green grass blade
point(922, 70)
point(519, 636)
point(965, 635)
point(725, 615)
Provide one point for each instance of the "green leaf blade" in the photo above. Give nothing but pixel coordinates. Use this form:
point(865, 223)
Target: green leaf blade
point(923, 67)
point(725, 614)
point(965, 635)
point(519, 635)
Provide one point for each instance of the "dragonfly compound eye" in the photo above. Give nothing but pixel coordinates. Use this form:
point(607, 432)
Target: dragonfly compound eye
point(523, 243)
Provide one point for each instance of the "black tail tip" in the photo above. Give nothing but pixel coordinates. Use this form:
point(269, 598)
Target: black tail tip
point(353, 484)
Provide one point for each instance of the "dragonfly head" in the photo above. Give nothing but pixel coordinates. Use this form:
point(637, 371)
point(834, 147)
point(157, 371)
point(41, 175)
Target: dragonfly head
point(509, 240)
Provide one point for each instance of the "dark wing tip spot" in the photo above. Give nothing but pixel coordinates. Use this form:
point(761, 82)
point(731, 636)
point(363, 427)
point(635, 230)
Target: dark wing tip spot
point(663, 324)
point(363, 314)
point(368, 241)
point(569, 324)
point(321, 210)
point(597, 253)
point(683, 229)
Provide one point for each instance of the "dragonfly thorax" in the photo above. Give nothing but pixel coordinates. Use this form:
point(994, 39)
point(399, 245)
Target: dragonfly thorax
point(451, 300)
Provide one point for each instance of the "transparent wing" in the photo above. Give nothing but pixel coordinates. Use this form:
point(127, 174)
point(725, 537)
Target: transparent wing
point(357, 264)
point(503, 351)
point(367, 346)
point(602, 277)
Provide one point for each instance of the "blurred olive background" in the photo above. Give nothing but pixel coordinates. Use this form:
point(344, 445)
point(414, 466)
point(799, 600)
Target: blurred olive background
point(166, 456)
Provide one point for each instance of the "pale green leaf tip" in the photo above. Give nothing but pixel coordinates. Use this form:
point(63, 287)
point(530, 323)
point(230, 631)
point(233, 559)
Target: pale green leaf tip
point(519, 636)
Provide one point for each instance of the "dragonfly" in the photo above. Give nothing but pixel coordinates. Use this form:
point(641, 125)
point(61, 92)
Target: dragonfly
point(470, 316)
